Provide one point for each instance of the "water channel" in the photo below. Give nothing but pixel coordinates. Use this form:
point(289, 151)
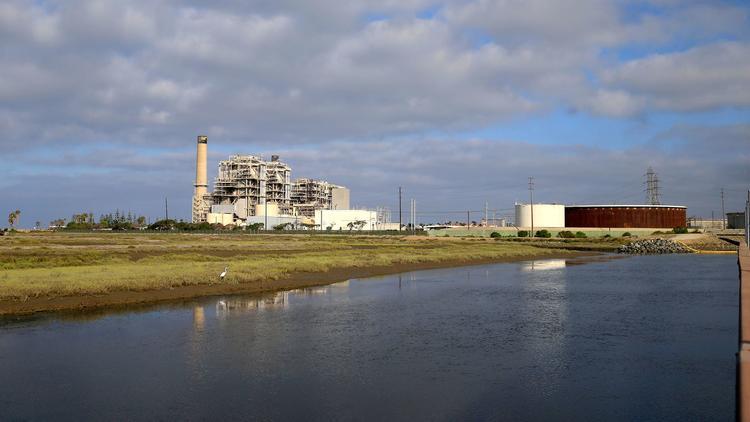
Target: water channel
point(604, 338)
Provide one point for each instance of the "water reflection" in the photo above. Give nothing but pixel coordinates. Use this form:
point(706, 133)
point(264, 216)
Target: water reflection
point(544, 309)
point(226, 307)
point(543, 265)
point(278, 300)
point(199, 318)
point(638, 338)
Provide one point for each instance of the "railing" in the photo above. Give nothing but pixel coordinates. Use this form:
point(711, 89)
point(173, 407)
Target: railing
point(747, 219)
point(743, 354)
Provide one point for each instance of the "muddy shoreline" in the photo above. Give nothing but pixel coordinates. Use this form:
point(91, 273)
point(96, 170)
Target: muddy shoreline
point(121, 299)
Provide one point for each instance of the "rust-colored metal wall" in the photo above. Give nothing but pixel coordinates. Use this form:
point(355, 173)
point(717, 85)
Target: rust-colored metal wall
point(626, 217)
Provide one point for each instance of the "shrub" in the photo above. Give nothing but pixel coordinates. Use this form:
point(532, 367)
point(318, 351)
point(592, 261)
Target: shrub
point(679, 230)
point(495, 234)
point(658, 232)
point(566, 234)
point(607, 236)
point(581, 235)
point(543, 233)
point(523, 233)
point(283, 226)
point(626, 234)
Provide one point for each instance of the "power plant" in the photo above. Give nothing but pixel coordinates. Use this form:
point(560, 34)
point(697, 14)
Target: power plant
point(249, 189)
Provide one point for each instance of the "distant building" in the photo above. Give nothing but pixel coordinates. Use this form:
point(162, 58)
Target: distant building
point(626, 216)
point(545, 215)
point(735, 220)
point(309, 195)
point(248, 186)
point(352, 220)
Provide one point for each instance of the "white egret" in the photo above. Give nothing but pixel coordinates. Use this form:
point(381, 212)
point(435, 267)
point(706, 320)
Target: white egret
point(224, 273)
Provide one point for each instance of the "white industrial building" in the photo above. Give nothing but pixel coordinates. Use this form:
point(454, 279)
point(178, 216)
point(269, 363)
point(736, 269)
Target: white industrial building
point(353, 220)
point(545, 215)
point(250, 190)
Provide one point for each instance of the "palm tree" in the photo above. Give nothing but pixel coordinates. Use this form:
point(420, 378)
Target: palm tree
point(13, 217)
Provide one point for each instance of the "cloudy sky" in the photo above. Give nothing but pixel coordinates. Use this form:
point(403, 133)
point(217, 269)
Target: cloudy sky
point(457, 101)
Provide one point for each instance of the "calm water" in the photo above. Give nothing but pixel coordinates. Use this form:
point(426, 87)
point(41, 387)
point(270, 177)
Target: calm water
point(640, 338)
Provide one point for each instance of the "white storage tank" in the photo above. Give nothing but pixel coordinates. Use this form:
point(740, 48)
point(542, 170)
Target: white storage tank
point(545, 215)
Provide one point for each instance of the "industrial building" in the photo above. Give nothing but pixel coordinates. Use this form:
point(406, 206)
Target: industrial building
point(249, 189)
point(309, 195)
point(544, 215)
point(245, 185)
point(600, 216)
point(735, 220)
point(626, 216)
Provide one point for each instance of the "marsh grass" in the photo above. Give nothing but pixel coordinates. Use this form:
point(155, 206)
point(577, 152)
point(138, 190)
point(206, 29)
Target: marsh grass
point(56, 264)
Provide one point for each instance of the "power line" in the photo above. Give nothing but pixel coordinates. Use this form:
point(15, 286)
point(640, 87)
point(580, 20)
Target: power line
point(462, 211)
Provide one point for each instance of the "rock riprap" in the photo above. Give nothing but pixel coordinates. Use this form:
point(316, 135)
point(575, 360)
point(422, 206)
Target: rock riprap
point(653, 247)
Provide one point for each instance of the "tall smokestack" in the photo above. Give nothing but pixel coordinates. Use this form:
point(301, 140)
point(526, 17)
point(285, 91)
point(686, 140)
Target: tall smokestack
point(201, 179)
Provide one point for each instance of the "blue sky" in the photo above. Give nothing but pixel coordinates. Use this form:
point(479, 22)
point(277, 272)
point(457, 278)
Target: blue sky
point(456, 101)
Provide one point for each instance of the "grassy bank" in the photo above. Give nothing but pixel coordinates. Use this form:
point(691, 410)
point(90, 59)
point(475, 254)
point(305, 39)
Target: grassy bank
point(49, 265)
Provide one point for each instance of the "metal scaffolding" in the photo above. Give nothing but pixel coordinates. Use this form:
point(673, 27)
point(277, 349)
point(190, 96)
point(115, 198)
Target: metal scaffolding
point(246, 181)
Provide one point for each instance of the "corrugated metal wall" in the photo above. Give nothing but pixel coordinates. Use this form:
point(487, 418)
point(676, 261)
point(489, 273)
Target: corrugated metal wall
point(625, 217)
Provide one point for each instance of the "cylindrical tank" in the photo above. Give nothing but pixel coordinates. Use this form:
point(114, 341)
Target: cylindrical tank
point(201, 177)
point(545, 215)
point(626, 216)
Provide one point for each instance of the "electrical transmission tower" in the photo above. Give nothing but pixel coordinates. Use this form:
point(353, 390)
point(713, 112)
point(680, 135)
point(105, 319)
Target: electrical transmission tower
point(652, 187)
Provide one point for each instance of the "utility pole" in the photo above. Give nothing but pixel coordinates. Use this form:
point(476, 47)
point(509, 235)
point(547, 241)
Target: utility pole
point(468, 220)
point(166, 209)
point(265, 213)
point(531, 196)
point(723, 214)
point(399, 208)
point(486, 214)
point(413, 215)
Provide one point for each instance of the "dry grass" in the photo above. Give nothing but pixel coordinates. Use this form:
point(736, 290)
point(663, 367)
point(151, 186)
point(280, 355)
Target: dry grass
point(62, 264)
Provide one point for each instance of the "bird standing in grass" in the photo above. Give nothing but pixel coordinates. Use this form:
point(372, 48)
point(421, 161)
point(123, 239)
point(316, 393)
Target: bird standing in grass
point(224, 273)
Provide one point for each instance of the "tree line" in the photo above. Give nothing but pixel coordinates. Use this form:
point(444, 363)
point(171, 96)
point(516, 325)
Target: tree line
point(111, 221)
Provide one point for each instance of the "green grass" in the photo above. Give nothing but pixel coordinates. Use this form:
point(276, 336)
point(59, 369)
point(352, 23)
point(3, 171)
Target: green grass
point(63, 264)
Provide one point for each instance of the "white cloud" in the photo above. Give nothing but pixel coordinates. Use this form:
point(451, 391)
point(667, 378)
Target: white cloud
point(614, 103)
point(296, 72)
point(361, 83)
point(702, 78)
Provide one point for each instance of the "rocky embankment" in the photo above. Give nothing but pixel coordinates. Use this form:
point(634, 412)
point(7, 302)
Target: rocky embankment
point(652, 247)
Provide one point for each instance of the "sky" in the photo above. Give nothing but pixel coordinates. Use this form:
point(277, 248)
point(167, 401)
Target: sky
point(458, 102)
